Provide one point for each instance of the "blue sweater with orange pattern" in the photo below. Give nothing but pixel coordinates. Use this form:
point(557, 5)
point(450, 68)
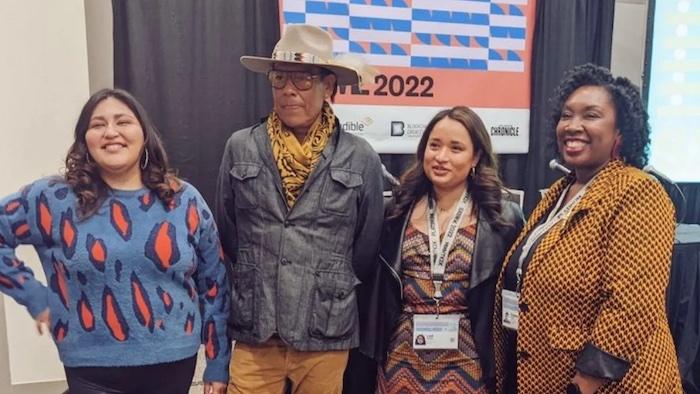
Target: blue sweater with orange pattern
point(137, 283)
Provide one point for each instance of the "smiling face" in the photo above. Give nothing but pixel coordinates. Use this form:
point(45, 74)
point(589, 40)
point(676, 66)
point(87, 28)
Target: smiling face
point(587, 131)
point(115, 141)
point(449, 155)
point(299, 109)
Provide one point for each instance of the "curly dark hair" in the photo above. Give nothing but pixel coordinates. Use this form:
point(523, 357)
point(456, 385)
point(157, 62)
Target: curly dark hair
point(631, 118)
point(485, 186)
point(82, 173)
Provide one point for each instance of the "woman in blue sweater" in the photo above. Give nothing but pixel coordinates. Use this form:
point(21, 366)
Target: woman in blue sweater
point(131, 256)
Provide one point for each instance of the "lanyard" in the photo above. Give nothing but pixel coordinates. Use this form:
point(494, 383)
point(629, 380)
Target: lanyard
point(555, 216)
point(440, 250)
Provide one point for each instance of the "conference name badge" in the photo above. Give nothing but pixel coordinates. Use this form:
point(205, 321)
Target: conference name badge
point(435, 331)
point(510, 310)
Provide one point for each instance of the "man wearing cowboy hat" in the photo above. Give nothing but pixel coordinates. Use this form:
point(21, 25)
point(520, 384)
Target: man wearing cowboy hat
point(299, 209)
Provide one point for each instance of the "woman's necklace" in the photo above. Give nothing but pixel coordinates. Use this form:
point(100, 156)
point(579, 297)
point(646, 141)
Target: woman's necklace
point(449, 209)
point(444, 215)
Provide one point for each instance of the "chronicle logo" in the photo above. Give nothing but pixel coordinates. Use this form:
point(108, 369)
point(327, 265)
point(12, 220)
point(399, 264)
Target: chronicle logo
point(505, 130)
point(400, 129)
point(357, 127)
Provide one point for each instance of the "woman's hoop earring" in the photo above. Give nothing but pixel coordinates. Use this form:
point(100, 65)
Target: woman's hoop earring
point(145, 161)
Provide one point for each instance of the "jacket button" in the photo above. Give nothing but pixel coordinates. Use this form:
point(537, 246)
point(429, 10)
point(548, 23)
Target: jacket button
point(523, 307)
point(285, 262)
point(286, 223)
point(340, 295)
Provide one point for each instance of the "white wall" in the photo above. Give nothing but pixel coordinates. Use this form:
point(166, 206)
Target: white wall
point(629, 37)
point(98, 23)
point(44, 80)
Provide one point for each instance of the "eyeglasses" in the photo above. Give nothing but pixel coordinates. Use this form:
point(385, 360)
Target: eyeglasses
point(302, 80)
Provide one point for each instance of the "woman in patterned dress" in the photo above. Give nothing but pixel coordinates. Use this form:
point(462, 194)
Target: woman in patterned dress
point(587, 276)
point(453, 190)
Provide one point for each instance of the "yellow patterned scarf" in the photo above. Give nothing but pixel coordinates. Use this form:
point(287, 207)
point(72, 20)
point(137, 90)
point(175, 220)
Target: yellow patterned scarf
point(296, 160)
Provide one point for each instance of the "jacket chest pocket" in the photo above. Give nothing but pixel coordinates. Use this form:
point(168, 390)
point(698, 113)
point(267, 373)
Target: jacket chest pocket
point(340, 191)
point(246, 187)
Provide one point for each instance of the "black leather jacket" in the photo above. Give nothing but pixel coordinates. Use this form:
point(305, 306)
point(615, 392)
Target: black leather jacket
point(381, 298)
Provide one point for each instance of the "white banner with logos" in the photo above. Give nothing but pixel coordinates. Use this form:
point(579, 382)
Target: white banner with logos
point(397, 129)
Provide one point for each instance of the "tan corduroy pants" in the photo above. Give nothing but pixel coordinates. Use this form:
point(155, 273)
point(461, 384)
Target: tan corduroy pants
point(263, 369)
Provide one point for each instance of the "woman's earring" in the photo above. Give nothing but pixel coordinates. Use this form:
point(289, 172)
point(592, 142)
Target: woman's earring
point(474, 172)
point(616, 148)
point(87, 157)
point(145, 161)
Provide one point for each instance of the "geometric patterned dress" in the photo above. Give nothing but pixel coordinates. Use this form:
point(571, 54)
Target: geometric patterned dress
point(432, 371)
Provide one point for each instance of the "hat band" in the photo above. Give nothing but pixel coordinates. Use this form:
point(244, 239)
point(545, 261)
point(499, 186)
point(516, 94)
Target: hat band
point(298, 57)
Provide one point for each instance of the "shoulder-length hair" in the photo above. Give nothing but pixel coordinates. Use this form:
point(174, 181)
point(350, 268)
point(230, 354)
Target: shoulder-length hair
point(82, 173)
point(484, 184)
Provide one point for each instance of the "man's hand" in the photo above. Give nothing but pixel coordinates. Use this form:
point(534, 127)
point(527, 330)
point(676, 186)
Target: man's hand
point(214, 388)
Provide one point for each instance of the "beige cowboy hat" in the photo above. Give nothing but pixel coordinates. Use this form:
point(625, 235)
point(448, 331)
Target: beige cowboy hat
point(304, 44)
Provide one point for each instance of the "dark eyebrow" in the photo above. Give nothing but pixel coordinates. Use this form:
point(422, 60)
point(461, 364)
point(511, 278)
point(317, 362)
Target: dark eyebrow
point(117, 116)
point(587, 107)
point(449, 142)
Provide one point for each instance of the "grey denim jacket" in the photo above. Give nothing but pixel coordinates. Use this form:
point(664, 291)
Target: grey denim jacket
point(294, 272)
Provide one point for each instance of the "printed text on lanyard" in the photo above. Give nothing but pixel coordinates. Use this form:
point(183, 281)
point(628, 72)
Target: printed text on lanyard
point(440, 250)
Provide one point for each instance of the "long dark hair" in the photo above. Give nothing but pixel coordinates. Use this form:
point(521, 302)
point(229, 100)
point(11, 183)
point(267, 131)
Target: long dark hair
point(82, 173)
point(484, 185)
point(630, 116)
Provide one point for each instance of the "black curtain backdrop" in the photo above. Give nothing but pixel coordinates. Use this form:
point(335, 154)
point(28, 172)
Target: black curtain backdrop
point(180, 59)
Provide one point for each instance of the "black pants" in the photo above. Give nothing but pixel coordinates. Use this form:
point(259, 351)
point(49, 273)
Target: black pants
point(510, 385)
point(165, 378)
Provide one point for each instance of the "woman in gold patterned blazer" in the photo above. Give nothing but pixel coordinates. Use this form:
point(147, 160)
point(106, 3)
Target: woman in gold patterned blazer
point(580, 301)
